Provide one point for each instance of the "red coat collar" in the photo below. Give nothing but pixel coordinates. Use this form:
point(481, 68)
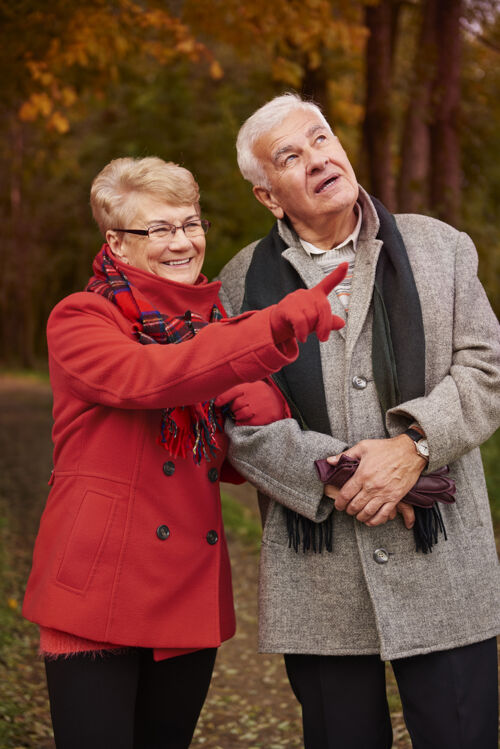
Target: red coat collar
point(169, 297)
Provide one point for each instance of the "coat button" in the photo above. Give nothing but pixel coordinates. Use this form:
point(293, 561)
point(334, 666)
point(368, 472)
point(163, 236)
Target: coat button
point(381, 556)
point(168, 468)
point(213, 475)
point(163, 532)
point(212, 537)
point(359, 382)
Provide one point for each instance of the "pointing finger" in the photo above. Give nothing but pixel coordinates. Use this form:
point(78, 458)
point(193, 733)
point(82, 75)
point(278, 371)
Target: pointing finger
point(337, 323)
point(333, 279)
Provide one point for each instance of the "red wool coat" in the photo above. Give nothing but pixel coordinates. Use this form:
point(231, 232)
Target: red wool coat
point(131, 547)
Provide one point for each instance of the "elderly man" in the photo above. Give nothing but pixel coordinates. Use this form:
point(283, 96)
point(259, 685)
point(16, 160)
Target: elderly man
point(411, 384)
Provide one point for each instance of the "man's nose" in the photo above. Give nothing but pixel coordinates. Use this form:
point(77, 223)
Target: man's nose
point(316, 161)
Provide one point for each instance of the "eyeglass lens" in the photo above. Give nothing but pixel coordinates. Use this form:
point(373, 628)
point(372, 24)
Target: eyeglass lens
point(190, 229)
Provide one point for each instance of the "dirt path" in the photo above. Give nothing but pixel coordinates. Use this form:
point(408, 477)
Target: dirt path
point(250, 703)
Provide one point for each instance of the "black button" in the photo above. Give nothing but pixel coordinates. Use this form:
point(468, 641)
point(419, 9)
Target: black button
point(212, 537)
point(163, 532)
point(213, 474)
point(168, 468)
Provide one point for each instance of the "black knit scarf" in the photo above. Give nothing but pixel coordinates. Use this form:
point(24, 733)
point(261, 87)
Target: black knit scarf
point(398, 355)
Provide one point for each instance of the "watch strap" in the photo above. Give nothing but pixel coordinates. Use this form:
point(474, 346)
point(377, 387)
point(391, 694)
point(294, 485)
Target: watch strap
point(415, 435)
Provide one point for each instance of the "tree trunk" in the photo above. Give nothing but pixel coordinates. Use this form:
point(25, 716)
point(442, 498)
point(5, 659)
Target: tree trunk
point(381, 21)
point(17, 266)
point(445, 183)
point(315, 86)
point(413, 186)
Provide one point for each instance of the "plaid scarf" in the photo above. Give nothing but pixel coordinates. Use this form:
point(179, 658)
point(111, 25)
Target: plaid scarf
point(183, 429)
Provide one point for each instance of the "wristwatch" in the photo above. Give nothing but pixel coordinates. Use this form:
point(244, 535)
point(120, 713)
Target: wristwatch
point(421, 444)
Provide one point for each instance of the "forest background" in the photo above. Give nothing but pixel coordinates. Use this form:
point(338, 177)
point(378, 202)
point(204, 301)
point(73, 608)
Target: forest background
point(411, 88)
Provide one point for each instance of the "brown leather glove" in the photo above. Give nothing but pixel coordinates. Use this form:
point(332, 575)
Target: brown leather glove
point(430, 487)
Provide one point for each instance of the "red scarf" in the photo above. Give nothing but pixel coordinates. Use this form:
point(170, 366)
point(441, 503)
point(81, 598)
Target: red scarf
point(183, 429)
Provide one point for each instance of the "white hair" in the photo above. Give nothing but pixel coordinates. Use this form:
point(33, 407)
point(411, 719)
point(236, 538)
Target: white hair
point(261, 122)
point(121, 183)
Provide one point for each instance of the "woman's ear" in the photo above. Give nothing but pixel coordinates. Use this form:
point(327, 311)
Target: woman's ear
point(267, 199)
point(115, 245)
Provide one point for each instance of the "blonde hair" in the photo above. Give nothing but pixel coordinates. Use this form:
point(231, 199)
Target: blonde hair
point(116, 188)
point(262, 121)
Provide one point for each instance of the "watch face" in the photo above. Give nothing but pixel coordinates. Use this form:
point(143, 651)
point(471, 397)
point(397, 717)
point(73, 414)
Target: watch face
point(422, 448)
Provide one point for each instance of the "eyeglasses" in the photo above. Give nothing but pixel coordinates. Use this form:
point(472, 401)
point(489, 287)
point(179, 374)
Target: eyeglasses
point(192, 228)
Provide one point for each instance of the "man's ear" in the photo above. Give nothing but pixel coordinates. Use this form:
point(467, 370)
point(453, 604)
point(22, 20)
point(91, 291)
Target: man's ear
point(115, 244)
point(265, 197)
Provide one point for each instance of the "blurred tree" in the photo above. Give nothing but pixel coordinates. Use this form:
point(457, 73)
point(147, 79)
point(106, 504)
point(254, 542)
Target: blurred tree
point(430, 168)
point(84, 83)
point(480, 138)
point(382, 24)
point(446, 173)
point(301, 41)
point(413, 178)
point(56, 60)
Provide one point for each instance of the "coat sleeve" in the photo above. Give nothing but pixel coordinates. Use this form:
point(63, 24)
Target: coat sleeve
point(103, 364)
point(233, 276)
point(463, 409)
point(279, 460)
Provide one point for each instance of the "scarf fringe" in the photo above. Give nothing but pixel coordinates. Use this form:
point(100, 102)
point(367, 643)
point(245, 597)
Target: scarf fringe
point(197, 437)
point(314, 536)
point(428, 524)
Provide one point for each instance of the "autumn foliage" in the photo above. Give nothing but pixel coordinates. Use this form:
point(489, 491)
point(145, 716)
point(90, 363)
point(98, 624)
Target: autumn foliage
point(411, 88)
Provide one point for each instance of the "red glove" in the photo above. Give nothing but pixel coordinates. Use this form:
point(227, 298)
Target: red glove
point(255, 403)
point(308, 311)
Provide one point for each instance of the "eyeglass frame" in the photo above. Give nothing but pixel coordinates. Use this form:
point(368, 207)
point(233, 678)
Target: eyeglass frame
point(205, 225)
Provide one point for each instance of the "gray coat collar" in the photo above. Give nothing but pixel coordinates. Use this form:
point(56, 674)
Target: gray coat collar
point(367, 253)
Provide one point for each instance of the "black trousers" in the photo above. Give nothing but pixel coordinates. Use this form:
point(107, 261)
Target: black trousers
point(449, 698)
point(127, 700)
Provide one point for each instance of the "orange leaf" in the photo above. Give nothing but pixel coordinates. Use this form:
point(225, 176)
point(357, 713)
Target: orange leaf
point(216, 71)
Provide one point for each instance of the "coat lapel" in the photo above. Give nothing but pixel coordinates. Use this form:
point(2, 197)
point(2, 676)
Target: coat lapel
point(365, 265)
point(362, 289)
point(311, 274)
point(367, 252)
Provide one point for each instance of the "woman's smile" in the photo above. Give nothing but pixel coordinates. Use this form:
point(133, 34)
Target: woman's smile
point(176, 257)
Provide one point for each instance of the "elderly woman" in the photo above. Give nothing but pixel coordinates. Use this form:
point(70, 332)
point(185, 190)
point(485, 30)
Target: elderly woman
point(131, 583)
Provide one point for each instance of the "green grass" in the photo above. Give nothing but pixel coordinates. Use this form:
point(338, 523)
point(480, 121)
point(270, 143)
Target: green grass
point(31, 375)
point(240, 522)
point(24, 706)
point(490, 452)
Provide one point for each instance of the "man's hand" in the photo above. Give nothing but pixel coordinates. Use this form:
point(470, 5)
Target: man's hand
point(407, 512)
point(387, 470)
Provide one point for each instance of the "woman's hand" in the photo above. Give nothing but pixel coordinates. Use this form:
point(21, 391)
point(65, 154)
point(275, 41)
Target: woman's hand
point(254, 403)
point(307, 311)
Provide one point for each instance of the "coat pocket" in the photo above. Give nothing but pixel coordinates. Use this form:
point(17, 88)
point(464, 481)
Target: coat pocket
point(466, 498)
point(86, 540)
point(275, 531)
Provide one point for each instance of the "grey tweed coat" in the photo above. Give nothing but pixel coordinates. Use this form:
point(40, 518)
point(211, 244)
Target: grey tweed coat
point(346, 602)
